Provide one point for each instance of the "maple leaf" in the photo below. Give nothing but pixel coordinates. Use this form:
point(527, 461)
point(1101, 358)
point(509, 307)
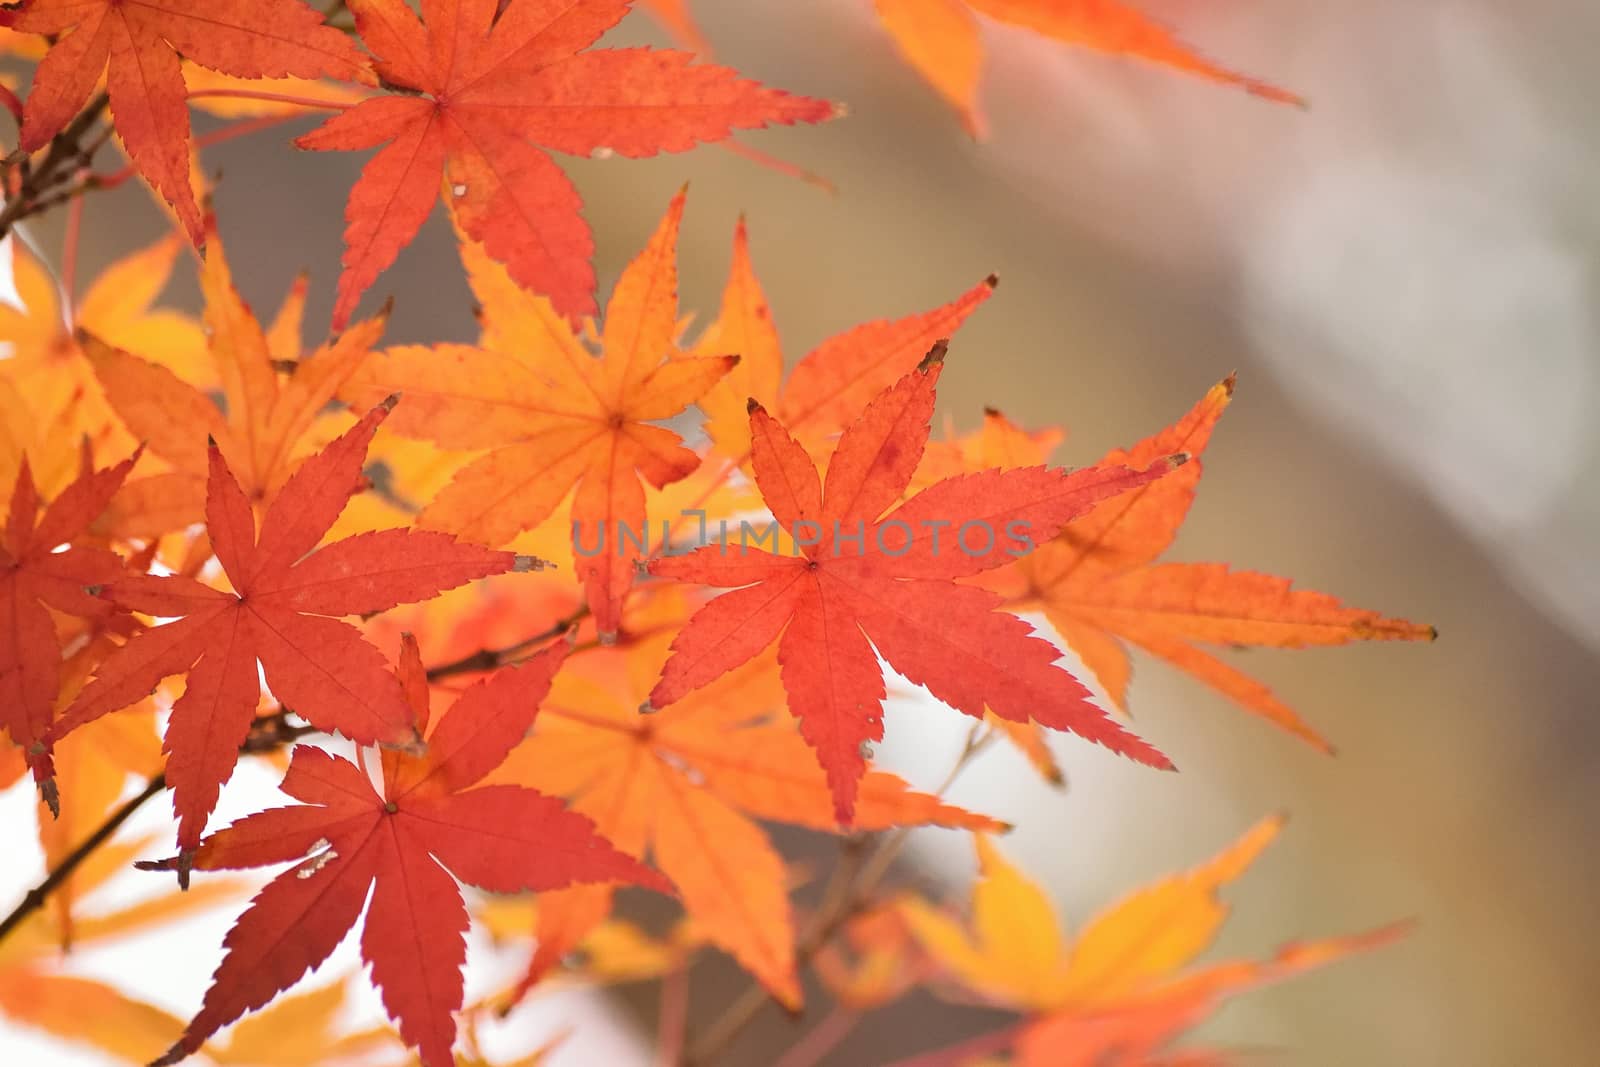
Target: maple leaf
point(941, 39)
point(685, 786)
point(481, 94)
point(895, 592)
point(34, 577)
point(554, 418)
point(137, 43)
point(1123, 988)
point(1100, 584)
point(832, 382)
point(60, 403)
point(297, 1031)
point(404, 845)
point(261, 420)
point(282, 613)
point(875, 960)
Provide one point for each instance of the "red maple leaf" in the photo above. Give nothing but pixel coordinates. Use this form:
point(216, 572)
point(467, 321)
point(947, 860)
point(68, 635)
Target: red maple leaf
point(483, 96)
point(283, 613)
point(34, 576)
point(137, 44)
point(404, 845)
point(894, 590)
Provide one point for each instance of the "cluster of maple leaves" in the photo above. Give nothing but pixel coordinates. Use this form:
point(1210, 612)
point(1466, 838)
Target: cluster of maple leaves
point(211, 529)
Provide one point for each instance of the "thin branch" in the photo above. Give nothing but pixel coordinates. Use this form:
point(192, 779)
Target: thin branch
point(267, 734)
point(832, 914)
point(41, 892)
point(487, 659)
point(65, 153)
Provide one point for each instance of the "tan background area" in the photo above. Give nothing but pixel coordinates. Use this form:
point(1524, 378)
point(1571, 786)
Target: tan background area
point(1403, 278)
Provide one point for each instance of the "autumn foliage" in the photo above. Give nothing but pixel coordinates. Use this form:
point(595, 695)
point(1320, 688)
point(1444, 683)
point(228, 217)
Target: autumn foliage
point(500, 627)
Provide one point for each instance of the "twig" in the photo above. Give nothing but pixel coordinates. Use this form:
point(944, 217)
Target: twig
point(487, 659)
point(64, 151)
point(835, 910)
point(74, 859)
point(267, 734)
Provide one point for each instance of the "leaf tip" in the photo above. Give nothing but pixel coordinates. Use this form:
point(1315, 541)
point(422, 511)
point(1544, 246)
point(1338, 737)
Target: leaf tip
point(752, 405)
point(607, 638)
point(648, 708)
point(935, 355)
point(388, 402)
point(1230, 383)
point(992, 281)
point(522, 564)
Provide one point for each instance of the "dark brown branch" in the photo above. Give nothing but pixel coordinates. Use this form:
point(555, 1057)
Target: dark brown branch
point(41, 892)
point(66, 155)
point(270, 732)
point(488, 659)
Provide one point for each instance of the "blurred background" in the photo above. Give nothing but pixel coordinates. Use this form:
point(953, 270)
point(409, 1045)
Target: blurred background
point(1404, 278)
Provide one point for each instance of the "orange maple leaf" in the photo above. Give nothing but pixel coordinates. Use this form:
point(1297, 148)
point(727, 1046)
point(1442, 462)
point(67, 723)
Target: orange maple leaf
point(895, 588)
point(481, 93)
point(1101, 586)
point(941, 39)
point(1124, 987)
point(137, 42)
point(264, 416)
point(283, 613)
point(58, 402)
point(685, 786)
point(404, 845)
point(830, 384)
point(553, 417)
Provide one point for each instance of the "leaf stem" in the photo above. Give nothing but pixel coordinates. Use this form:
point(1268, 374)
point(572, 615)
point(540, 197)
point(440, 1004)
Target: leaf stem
point(964, 1052)
point(272, 98)
point(69, 258)
point(820, 1039)
point(672, 1016)
point(242, 128)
